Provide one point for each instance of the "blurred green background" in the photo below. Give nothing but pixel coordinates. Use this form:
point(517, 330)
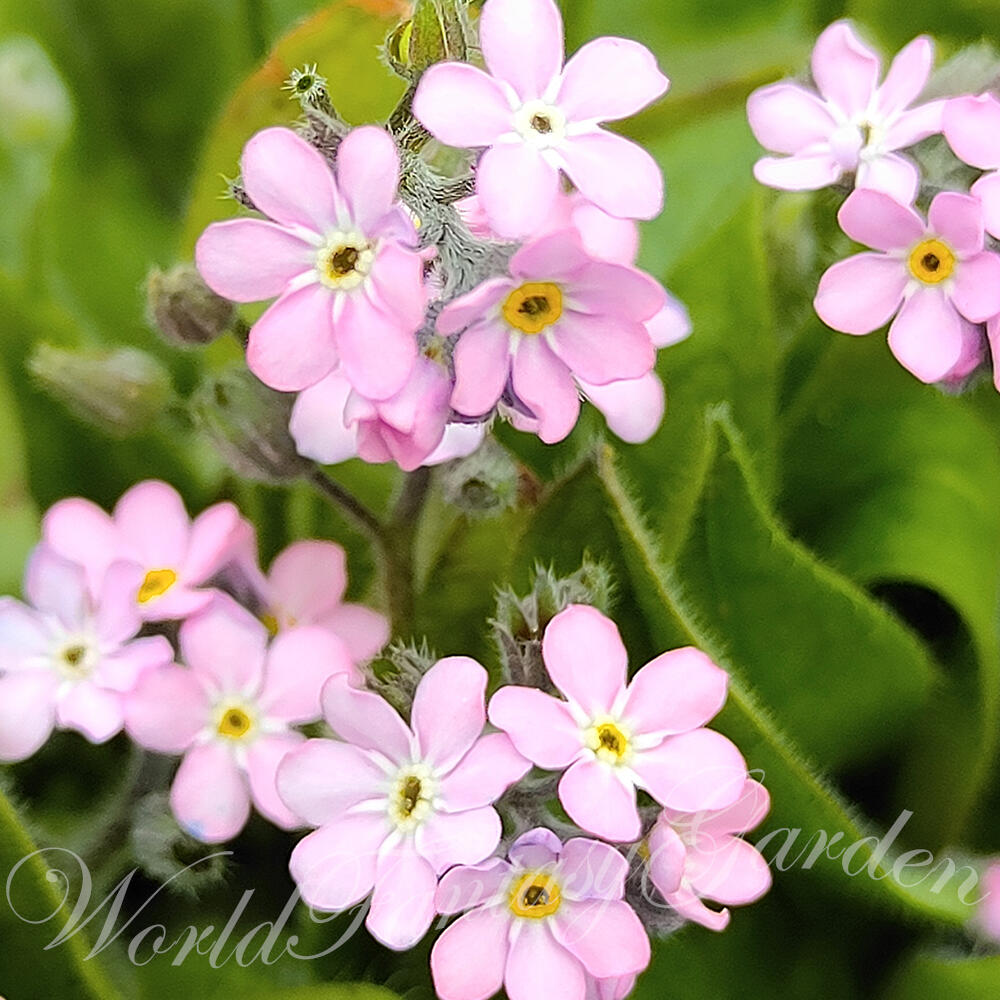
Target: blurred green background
point(823, 524)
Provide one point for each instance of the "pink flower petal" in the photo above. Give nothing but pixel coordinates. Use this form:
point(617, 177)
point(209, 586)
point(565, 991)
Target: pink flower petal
point(907, 76)
point(247, 260)
point(368, 174)
point(558, 256)
point(317, 424)
point(539, 726)
point(746, 813)
point(57, 586)
point(291, 346)
point(538, 966)
point(24, 636)
point(334, 867)
point(972, 128)
point(678, 691)
point(468, 960)
point(209, 796)
point(694, 771)
point(322, 779)
point(987, 190)
point(91, 710)
point(537, 848)
point(976, 293)
point(602, 287)
point(787, 118)
point(83, 533)
point(167, 710)
point(522, 43)
point(731, 872)
point(365, 719)
point(462, 838)
point(633, 408)
point(601, 802)
point(402, 906)
point(377, 352)
point(591, 870)
point(27, 712)
point(211, 543)
point(482, 365)
point(803, 172)
point(861, 294)
point(585, 657)
point(398, 279)
point(226, 646)
point(473, 306)
point(545, 384)
point(926, 336)
point(449, 711)
point(117, 616)
point(688, 904)
point(670, 325)
point(916, 124)
point(516, 166)
point(120, 671)
point(614, 173)
point(602, 348)
point(462, 106)
point(584, 93)
point(605, 237)
point(845, 70)
point(483, 774)
point(363, 630)
point(604, 935)
point(307, 580)
point(458, 441)
point(880, 222)
point(263, 757)
point(289, 180)
point(465, 887)
point(958, 219)
point(892, 175)
point(153, 521)
point(667, 858)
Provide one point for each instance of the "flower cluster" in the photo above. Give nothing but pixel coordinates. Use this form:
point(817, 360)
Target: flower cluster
point(933, 275)
point(409, 311)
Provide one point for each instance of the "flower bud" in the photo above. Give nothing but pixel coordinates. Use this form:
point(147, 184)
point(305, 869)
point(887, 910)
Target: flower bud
point(484, 483)
point(439, 31)
point(121, 392)
point(184, 309)
point(248, 424)
point(396, 674)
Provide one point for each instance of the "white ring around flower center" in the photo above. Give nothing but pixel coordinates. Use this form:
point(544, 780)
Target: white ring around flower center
point(610, 740)
point(411, 796)
point(344, 260)
point(540, 124)
point(76, 657)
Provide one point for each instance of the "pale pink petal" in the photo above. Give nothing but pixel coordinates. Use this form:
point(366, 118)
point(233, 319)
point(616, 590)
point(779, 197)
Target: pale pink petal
point(845, 70)
point(694, 771)
point(23, 635)
point(398, 284)
point(363, 630)
point(600, 802)
point(546, 386)
point(299, 662)
point(153, 521)
point(731, 872)
point(377, 352)
point(459, 441)
point(317, 424)
point(558, 256)
point(958, 219)
point(468, 960)
point(289, 180)
point(585, 657)
point(482, 365)
point(120, 671)
point(473, 885)
point(449, 711)
point(878, 221)
point(516, 166)
point(307, 580)
point(209, 796)
point(604, 236)
point(462, 106)
point(167, 710)
point(892, 175)
point(803, 172)
point(987, 190)
point(539, 726)
point(334, 867)
point(916, 124)
point(368, 174)
point(402, 906)
point(226, 646)
point(365, 719)
point(538, 966)
point(483, 774)
point(907, 76)
point(787, 118)
point(972, 128)
point(604, 935)
point(263, 757)
point(861, 294)
point(993, 335)
point(212, 542)
point(537, 848)
point(667, 858)
point(322, 779)
point(247, 260)
point(591, 870)
point(614, 173)
point(461, 838)
point(522, 43)
point(926, 336)
point(615, 289)
point(291, 346)
point(117, 614)
point(90, 710)
point(976, 292)
point(633, 409)
point(27, 712)
point(57, 586)
point(584, 93)
point(747, 812)
point(602, 348)
point(472, 307)
point(689, 905)
point(83, 533)
point(678, 691)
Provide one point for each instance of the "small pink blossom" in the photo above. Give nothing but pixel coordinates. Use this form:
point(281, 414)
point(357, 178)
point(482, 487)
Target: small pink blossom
point(230, 712)
point(538, 118)
point(550, 922)
point(853, 125)
point(339, 255)
point(613, 739)
point(69, 658)
point(696, 856)
point(558, 317)
point(397, 806)
point(151, 529)
point(933, 277)
point(988, 915)
point(972, 128)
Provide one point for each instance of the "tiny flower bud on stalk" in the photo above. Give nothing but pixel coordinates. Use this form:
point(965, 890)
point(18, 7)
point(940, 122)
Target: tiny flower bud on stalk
point(184, 309)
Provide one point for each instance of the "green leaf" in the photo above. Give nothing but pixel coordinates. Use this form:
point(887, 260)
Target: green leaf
point(927, 976)
point(333, 991)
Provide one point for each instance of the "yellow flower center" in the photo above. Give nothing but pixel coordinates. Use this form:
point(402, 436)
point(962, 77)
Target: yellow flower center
point(411, 797)
point(608, 742)
point(270, 622)
point(535, 895)
point(76, 660)
point(345, 260)
point(235, 723)
point(156, 584)
point(931, 261)
point(533, 306)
